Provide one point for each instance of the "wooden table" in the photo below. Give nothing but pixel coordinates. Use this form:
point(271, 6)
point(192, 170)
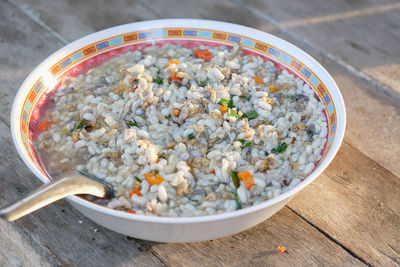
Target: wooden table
point(349, 216)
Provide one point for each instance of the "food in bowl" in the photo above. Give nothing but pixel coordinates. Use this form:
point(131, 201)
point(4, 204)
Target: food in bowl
point(184, 131)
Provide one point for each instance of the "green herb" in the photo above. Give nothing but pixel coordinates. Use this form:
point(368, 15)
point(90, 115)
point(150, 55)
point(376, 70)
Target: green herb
point(245, 97)
point(266, 153)
point(223, 102)
point(64, 132)
point(233, 113)
point(191, 136)
point(137, 179)
point(292, 97)
point(250, 115)
point(235, 179)
point(158, 80)
point(230, 103)
point(241, 140)
point(226, 102)
point(132, 123)
point(282, 147)
point(204, 83)
point(238, 206)
point(83, 124)
point(156, 171)
point(246, 145)
point(194, 200)
point(161, 155)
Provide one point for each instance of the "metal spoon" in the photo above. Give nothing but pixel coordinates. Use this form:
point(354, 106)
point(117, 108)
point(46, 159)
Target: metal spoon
point(71, 183)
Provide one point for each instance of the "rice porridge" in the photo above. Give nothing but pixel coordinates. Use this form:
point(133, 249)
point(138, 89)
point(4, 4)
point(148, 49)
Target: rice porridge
point(185, 131)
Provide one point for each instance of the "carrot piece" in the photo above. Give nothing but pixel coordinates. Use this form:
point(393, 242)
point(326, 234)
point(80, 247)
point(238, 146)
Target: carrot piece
point(153, 178)
point(176, 112)
point(130, 211)
point(273, 88)
point(173, 77)
point(247, 179)
point(204, 54)
point(223, 109)
point(135, 191)
point(282, 249)
point(176, 62)
point(44, 125)
point(258, 79)
point(212, 171)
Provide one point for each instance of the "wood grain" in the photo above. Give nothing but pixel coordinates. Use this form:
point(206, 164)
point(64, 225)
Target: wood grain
point(258, 247)
point(357, 202)
point(15, 250)
point(359, 34)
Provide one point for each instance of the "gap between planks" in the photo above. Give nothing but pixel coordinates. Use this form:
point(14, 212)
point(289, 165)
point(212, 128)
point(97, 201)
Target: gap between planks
point(331, 238)
point(352, 70)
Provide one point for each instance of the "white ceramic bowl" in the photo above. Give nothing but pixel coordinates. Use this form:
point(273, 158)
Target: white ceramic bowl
point(89, 51)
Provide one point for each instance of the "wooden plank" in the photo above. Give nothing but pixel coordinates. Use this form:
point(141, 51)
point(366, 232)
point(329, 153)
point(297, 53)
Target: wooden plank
point(23, 45)
point(373, 119)
point(357, 202)
point(90, 16)
point(15, 250)
point(258, 247)
point(75, 19)
point(360, 32)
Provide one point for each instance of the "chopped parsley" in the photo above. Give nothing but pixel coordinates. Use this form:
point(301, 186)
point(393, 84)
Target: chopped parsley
point(137, 179)
point(226, 102)
point(235, 179)
point(156, 171)
point(241, 140)
point(223, 102)
point(191, 136)
point(282, 147)
point(250, 115)
point(64, 132)
point(245, 97)
point(238, 206)
point(194, 200)
point(158, 80)
point(266, 153)
point(292, 97)
point(246, 145)
point(161, 155)
point(233, 113)
point(83, 124)
point(132, 123)
point(204, 83)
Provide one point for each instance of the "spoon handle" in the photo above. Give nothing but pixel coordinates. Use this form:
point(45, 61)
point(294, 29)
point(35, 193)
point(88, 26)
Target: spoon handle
point(69, 184)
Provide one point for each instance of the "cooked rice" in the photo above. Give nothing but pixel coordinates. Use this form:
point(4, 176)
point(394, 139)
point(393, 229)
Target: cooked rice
point(136, 121)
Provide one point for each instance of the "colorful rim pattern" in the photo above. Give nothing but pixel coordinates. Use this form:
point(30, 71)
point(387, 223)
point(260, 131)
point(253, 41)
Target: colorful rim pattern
point(36, 96)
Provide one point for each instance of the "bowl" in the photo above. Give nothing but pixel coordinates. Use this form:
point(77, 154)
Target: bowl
point(87, 52)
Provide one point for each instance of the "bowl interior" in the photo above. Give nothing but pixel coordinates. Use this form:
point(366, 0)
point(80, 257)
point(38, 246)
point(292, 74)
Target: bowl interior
point(97, 48)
